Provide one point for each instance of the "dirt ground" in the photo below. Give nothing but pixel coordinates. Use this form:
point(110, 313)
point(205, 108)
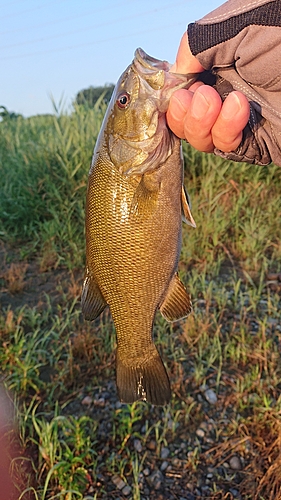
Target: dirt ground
point(188, 465)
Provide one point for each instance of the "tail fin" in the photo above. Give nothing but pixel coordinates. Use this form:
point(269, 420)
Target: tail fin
point(148, 381)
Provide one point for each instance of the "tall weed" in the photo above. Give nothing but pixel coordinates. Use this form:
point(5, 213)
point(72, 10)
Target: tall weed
point(44, 161)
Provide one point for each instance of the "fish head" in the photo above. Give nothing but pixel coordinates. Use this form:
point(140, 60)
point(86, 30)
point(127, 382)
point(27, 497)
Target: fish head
point(136, 130)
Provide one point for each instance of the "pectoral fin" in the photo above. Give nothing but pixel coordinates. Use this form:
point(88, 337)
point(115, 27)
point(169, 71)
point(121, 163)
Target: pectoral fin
point(92, 300)
point(185, 204)
point(144, 201)
point(177, 302)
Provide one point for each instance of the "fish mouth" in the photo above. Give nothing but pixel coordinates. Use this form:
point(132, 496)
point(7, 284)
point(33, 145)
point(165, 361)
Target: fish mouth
point(150, 62)
point(157, 74)
point(152, 70)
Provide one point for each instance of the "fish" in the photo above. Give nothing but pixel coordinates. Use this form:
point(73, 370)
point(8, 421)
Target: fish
point(134, 209)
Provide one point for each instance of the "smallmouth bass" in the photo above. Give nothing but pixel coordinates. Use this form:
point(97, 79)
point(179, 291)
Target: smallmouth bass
point(134, 209)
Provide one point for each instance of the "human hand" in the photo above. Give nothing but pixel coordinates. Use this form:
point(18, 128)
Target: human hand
point(198, 114)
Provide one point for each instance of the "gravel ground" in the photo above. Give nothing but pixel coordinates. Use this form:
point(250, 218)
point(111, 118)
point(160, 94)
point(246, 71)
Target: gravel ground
point(192, 463)
point(200, 450)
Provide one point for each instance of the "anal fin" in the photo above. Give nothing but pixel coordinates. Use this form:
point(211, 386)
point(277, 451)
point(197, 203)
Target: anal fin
point(177, 302)
point(92, 300)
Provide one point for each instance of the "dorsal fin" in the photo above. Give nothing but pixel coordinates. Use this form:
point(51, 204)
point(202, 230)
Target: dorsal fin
point(185, 205)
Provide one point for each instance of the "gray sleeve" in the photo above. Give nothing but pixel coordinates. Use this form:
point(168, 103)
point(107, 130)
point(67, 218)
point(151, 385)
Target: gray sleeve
point(240, 44)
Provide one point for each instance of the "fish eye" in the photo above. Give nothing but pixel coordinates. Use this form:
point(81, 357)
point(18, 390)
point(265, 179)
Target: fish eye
point(123, 100)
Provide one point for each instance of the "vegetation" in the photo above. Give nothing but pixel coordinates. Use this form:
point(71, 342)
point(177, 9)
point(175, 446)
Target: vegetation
point(220, 436)
point(7, 115)
point(90, 96)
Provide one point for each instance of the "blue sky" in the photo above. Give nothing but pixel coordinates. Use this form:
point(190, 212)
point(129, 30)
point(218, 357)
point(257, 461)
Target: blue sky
point(59, 47)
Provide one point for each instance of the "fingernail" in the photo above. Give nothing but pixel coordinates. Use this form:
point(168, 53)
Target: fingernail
point(199, 106)
point(230, 107)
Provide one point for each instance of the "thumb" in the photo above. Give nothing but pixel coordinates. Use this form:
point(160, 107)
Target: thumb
point(186, 62)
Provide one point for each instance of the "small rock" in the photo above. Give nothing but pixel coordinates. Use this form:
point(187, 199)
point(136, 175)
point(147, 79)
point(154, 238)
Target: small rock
point(201, 303)
point(176, 462)
point(138, 445)
point(165, 452)
point(189, 486)
point(151, 445)
point(164, 465)
point(235, 493)
point(203, 387)
point(157, 485)
point(100, 402)
point(172, 424)
point(204, 426)
point(146, 471)
point(200, 433)
point(211, 396)
point(119, 483)
point(272, 321)
point(87, 401)
point(127, 490)
point(106, 395)
point(155, 479)
point(205, 490)
point(235, 463)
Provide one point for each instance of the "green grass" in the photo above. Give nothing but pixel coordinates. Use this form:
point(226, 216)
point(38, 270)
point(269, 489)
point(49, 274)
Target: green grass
point(73, 440)
point(44, 165)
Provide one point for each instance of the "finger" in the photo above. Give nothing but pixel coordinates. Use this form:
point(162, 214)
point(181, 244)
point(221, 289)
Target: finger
point(227, 131)
point(195, 86)
point(178, 106)
point(186, 62)
point(200, 118)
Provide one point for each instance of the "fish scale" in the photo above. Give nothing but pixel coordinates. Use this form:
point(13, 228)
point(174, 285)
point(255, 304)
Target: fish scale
point(133, 230)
